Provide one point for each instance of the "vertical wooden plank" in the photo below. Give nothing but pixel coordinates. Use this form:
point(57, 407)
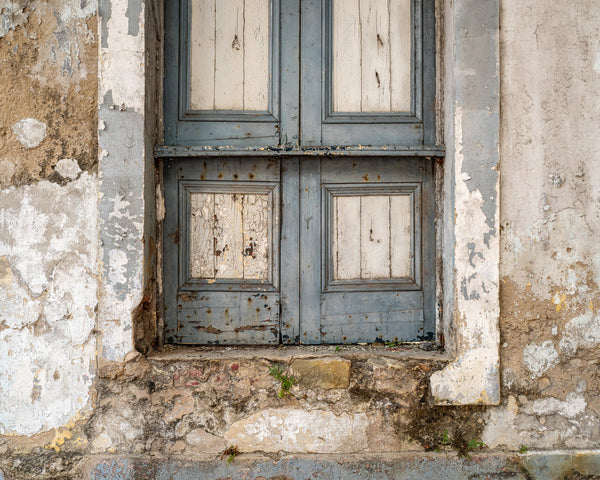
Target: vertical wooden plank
point(228, 236)
point(375, 53)
point(256, 54)
point(347, 234)
point(290, 250)
point(311, 71)
point(400, 47)
point(290, 73)
point(229, 55)
point(202, 55)
point(202, 256)
point(346, 88)
point(310, 250)
point(257, 226)
point(400, 236)
point(375, 236)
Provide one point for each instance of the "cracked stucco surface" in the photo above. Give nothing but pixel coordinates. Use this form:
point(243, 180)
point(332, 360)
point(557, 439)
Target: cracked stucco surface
point(48, 265)
point(550, 266)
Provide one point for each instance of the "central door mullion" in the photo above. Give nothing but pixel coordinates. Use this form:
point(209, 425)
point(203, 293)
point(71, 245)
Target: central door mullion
point(290, 251)
point(310, 250)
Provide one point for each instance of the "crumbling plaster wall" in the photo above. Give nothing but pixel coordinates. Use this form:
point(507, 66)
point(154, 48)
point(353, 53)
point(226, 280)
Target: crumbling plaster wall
point(550, 213)
point(48, 212)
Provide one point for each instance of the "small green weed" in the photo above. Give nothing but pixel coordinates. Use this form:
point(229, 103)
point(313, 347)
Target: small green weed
point(523, 449)
point(231, 452)
point(445, 438)
point(286, 381)
point(337, 348)
point(475, 444)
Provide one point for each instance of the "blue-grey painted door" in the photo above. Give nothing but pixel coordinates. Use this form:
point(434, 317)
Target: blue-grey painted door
point(298, 250)
point(366, 250)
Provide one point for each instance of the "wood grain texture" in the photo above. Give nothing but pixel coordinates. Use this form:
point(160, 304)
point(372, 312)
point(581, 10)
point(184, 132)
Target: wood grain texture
point(229, 55)
point(374, 237)
point(375, 52)
point(401, 47)
point(202, 55)
point(228, 318)
point(346, 238)
point(400, 236)
point(228, 236)
point(372, 63)
point(257, 228)
point(202, 257)
point(256, 54)
point(346, 56)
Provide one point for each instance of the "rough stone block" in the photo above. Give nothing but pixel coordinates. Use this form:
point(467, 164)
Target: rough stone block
point(325, 373)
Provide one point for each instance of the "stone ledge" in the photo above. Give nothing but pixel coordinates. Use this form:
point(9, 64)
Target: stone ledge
point(170, 353)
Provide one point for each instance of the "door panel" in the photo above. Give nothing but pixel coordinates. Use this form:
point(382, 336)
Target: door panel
point(367, 263)
point(222, 251)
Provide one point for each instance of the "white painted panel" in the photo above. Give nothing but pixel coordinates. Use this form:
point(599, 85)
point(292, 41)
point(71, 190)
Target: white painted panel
point(375, 236)
point(346, 73)
point(202, 257)
point(256, 55)
point(375, 51)
point(346, 238)
point(257, 228)
point(400, 45)
point(202, 55)
point(400, 236)
point(229, 55)
point(228, 235)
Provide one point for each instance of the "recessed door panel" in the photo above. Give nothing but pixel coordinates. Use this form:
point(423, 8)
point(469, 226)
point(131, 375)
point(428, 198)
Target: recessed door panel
point(222, 241)
point(366, 266)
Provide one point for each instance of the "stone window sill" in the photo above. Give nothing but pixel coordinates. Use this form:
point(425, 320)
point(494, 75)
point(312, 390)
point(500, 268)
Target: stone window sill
point(424, 352)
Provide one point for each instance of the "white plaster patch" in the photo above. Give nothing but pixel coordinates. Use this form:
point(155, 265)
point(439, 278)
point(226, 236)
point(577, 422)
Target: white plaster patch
point(68, 168)
point(12, 15)
point(581, 332)
point(539, 358)
point(597, 63)
point(296, 430)
point(30, 132)
point(499, 428)
point(48, 255)
point(572, 406)
point(7, 170)
point(123, 57)
point(45, 381)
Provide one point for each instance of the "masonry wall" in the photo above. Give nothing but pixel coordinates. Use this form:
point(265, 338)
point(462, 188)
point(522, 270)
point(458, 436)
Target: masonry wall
point(59, 411)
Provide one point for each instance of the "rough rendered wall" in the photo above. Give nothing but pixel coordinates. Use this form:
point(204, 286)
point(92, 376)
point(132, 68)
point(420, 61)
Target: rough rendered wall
point(48, 212)
point(550, 267)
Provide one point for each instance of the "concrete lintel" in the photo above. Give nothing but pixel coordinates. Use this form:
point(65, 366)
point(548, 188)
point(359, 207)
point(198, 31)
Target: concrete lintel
point(471, 249)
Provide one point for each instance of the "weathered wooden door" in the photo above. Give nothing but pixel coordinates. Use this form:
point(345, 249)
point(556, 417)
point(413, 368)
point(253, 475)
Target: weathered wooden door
point(310, 250)
point(280, 227)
